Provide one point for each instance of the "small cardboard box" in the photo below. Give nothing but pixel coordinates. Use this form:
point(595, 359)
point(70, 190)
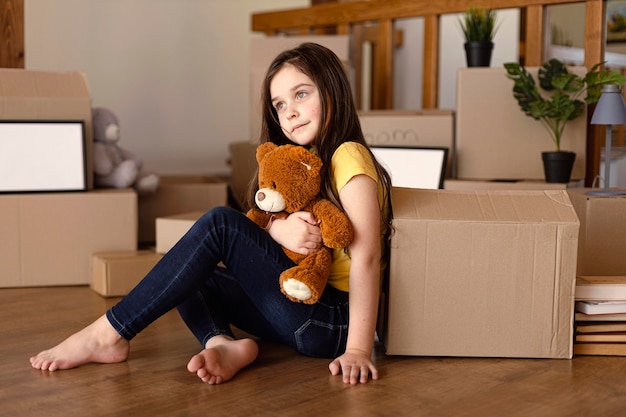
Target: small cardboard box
point(114, 274)
point(496, 140)
point(403, 128)
point(481, 274)
point(170, 229)
point(602, 239)
point(48, 95)
point(48, 238)
point(179, 194)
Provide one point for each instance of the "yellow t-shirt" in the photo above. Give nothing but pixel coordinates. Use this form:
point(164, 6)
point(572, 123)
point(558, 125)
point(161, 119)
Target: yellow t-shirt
point(349, 160)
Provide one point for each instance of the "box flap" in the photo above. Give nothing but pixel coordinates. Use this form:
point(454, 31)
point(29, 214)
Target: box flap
point(483, 205)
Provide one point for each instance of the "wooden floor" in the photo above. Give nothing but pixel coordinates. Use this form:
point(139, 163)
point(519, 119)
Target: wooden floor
point(154, 381)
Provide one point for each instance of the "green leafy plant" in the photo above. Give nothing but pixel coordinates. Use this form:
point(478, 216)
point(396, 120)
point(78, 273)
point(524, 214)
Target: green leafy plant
point(565, 91)
point(479, 25)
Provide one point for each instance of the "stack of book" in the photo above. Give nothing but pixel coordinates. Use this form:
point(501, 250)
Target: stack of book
point(600, 318)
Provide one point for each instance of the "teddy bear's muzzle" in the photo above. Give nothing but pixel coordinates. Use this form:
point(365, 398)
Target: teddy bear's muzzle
point(269, 200)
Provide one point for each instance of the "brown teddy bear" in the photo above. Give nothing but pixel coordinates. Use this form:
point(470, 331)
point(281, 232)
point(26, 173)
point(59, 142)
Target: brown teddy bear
point(290, 181)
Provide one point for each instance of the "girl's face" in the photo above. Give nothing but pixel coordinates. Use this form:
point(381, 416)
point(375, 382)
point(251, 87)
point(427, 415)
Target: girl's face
point(296, 99)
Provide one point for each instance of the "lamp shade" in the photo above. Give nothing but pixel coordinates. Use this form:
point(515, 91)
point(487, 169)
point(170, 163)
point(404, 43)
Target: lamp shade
point(610, 109)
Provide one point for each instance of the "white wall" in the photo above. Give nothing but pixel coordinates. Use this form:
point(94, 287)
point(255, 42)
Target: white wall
point(174, 71)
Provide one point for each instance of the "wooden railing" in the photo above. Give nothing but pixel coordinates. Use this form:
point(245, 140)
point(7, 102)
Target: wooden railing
point(347, 17)
point(11, 33)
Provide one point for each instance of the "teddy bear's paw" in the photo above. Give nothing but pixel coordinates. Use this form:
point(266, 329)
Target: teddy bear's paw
point(296, 289)
point(125, 174)
point(147, 184)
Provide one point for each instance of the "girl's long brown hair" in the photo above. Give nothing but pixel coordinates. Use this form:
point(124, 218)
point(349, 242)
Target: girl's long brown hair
point(339, 118)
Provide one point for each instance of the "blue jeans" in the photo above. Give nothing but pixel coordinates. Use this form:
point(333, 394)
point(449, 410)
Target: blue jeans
point(244, 293)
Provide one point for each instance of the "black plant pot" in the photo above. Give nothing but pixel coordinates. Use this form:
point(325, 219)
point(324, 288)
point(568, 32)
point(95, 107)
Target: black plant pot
point(557, 166)
point(478, 54)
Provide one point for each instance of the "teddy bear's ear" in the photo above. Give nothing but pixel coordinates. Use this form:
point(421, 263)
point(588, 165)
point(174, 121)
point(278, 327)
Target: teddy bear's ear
point(263, 149)
point(302, 155)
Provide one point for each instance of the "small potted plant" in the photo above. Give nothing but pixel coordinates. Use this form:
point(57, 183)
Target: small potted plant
point(561, 102)
point(479, 27)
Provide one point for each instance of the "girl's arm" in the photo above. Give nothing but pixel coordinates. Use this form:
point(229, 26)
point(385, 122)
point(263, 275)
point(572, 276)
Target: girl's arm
point(299, 232)
point(359, 198)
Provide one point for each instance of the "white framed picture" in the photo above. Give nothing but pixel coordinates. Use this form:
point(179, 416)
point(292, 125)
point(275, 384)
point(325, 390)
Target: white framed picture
point(42, 156)
point(414, 167)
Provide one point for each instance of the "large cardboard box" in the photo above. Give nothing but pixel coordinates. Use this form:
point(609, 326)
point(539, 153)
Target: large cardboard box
point(404, 128)
point(179, 194)
point(48, 239)
point(495, 140)
point(48, 95)
point(114, 274)
point(170, 229)
point(602, 239)
point(481, 274)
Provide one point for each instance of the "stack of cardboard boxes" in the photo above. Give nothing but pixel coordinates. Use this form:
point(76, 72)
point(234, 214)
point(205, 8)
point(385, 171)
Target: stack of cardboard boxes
point(164, 217)
point(85, 236)
point(487, 266)
point(48, 238)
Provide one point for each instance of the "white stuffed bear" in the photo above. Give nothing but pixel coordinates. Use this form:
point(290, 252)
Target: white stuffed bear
point(114, 166)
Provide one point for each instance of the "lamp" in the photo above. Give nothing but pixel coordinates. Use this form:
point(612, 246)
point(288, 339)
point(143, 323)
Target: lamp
point(609, 111)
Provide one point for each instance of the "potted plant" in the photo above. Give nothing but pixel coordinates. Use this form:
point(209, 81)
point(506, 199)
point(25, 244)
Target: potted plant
point(561, 102)
point(479, 28)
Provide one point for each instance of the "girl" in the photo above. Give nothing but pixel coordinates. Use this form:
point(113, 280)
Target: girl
point(306, 101)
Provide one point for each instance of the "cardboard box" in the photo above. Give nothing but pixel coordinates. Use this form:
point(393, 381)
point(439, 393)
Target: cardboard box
point(602, 239)
point(179, 194)
point(424, 128)
point(114, 274)
point(457, 184)
point(48, 239)
point(244, 165)
point(46, 95)
point(481, 274)
point(170, 229)
point(495, 140)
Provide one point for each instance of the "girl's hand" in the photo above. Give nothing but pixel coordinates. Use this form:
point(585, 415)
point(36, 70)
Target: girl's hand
point(299, 232)
point(355, 365)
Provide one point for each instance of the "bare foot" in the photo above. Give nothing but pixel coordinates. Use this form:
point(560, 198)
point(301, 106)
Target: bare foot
point(98, 342)
point(222, 358)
